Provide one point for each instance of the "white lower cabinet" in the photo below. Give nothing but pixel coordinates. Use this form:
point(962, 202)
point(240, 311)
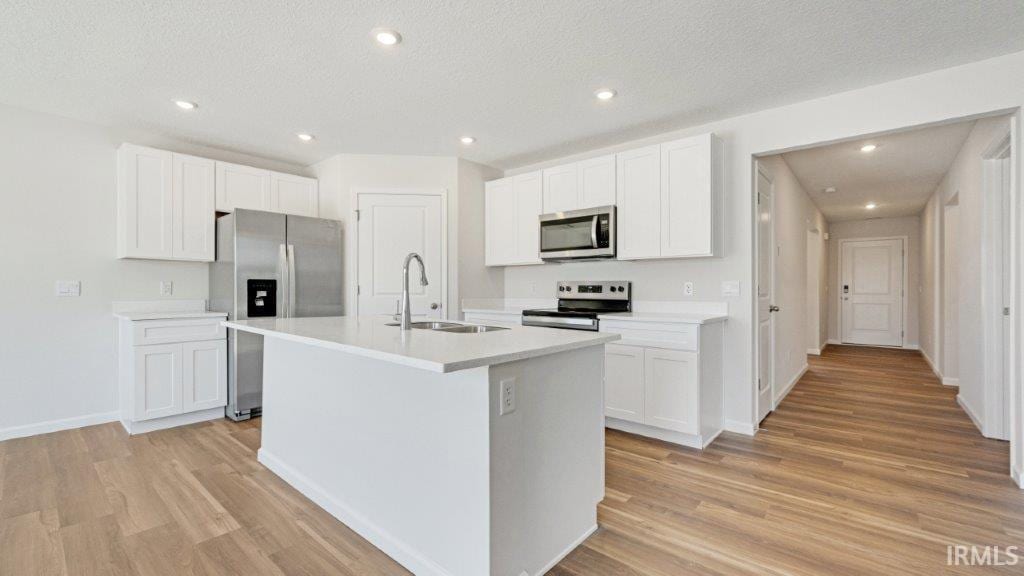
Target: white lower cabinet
point(662, 383)
point(175, 382)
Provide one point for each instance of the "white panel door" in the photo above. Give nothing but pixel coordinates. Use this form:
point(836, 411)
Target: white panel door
point(672, 390)
point(560, 189)
point(499, 222)
point(390, 226)
point(765, 293)
point(194, 222)
point(242, 187)
point(290, 194)
point(158, 380)
point(596, 181)
point(527, 188)
point(624, 382)
point(638, 203)
point(872, 292)
point(146, 203)
point(204, 375)
point(686, 197)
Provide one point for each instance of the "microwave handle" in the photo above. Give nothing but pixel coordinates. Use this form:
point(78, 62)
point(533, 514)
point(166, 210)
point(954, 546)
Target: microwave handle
point(593, 231)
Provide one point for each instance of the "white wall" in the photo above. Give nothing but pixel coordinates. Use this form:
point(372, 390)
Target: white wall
point(950, 291)
point(963, 182)
point(463, 181)
point(57, 355)
point(929, 299)
point(973, 89)
point(909, 226)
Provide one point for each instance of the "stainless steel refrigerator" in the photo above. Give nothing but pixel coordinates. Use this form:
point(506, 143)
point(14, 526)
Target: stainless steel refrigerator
point(270, 265)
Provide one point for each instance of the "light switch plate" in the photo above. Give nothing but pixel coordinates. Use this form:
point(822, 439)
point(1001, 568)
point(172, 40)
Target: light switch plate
point(68, 288)
point(166, 288)
point(730, 288)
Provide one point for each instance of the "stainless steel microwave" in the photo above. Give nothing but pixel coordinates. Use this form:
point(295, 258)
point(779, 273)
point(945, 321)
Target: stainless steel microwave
point(578, 234)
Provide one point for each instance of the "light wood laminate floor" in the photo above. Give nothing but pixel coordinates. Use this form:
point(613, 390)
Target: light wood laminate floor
point(868, 467)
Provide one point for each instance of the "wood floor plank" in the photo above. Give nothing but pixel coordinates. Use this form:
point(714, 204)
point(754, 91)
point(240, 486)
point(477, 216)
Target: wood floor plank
point(868, 466)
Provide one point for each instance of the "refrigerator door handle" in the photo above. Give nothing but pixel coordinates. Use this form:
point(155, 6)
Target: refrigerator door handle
point(291, 281)
point(282, 273)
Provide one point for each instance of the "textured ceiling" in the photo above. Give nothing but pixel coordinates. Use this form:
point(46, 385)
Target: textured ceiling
point(899, 176)
point(519, 75)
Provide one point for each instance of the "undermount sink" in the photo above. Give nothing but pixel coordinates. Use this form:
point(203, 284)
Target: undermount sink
point(451, 327)
point(471, 329)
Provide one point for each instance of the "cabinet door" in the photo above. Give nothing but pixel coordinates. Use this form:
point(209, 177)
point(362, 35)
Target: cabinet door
point(527, 189)
point(157, 386)
point(204, 375)
point(499, 222)
point(145, 205)
point(638, 202)
point(686, 197)
point(290, 194)
point(672, 390)
point(242, 187)
point(596, 181)
point(560, 189)
point(624, 382)
point(194, 223)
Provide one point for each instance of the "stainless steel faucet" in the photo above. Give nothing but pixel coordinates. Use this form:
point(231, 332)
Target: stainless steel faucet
point(406, 312)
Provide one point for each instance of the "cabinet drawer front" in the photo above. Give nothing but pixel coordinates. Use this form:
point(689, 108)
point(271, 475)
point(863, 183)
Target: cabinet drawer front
point(656, 334)
point(171, 331)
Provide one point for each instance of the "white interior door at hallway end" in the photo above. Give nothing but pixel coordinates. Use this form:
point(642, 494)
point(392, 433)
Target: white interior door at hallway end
point(871, 291)
point(390, 226)
point(765, 294)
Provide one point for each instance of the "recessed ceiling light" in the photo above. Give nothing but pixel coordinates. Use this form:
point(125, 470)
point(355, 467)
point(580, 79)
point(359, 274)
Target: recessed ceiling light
point(830, 190)
point(467, 140)
point(605, 94)
point(305, 137)
point(186, 105)
point(871, 206)
point(386, 36)
point(868, 148)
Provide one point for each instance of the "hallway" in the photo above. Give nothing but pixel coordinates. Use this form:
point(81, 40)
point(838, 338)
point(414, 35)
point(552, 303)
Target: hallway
point(867, 467)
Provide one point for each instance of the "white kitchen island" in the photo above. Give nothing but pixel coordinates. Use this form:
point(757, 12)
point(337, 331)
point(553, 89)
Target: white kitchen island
point(401, 436)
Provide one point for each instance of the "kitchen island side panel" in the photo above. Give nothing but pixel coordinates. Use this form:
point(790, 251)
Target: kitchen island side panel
point(398, 454)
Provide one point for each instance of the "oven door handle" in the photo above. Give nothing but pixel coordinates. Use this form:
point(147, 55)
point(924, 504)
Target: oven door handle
point(593, 230)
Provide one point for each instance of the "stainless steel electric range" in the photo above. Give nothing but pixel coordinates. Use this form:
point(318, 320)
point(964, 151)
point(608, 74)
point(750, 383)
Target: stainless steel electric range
point(580, 303)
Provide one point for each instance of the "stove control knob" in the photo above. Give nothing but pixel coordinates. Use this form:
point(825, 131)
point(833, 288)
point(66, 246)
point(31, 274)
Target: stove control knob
point(613, 288)
point(568, 288)
point(622, 288)
point(561, 288)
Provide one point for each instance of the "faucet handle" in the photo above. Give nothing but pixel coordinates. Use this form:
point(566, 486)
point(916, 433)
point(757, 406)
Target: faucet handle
point(397, 316)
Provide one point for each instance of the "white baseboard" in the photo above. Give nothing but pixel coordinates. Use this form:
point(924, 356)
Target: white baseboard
point(1018, 477)
point(911, 347)
point(689, 440)
point(565, 552)
point(931, 364)
point(382, 539)
point(780, 397)
point(738, 427)
point(831, 341)
point(951, 382)
point(817, 351)
point(144, 426)
point(970, 413)
point(57, 425)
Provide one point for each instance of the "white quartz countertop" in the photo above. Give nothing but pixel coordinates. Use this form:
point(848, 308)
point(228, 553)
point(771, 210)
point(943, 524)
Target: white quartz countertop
point(426, 349)
point(175, 314)
point(666, 317)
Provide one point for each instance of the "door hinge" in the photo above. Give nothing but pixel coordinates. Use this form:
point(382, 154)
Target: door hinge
point(1006, 311)
point(359, 290)
point(357, 215)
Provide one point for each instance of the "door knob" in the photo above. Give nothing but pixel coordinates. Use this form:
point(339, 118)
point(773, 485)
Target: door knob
point(434, 305)
point(773, 308)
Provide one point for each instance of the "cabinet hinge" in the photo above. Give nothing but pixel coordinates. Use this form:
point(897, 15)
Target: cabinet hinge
point(359, 290)
point(357, 215)
point(1006, 311)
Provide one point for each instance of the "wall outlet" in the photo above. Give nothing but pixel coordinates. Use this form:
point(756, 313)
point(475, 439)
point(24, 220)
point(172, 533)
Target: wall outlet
point(68, 288)
point(166, 288)
point(688, 288)
point(508, 397)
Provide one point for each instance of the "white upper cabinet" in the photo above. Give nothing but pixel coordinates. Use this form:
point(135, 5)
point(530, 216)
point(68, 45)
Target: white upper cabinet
point(669, 200)
point(192, 186)
point(527, 189)
point(499, 223)
point(638, 203)
point(291, 194)
point(242, 187)
point(596, 181)
point(560, 189)
point(690, 197)
point(144, 203)
point(511, 226)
